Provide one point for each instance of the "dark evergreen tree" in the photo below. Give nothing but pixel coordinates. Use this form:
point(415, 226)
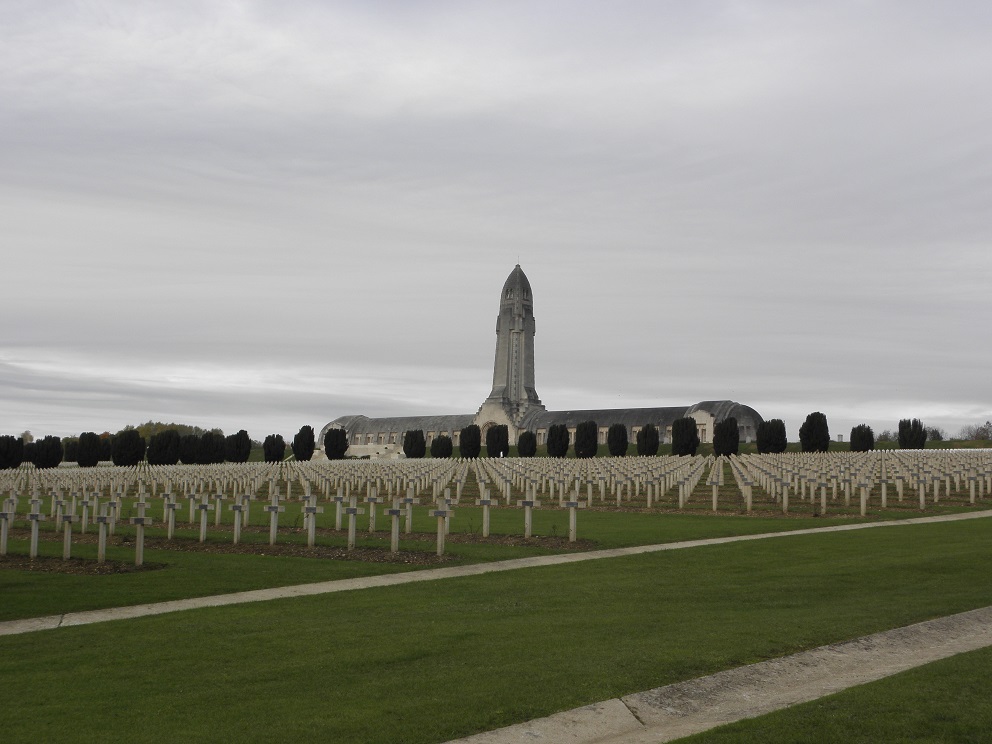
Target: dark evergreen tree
point(912, 434)
point(304, 444)
point(814, 434)
point(189, 449)
point(335, 443)
point(11, 452)
point(29, 451)
point(616, 440)
point(527, 444)
point(212, 448)
point(47, 452)
point(497, 441)
point(70, 449)
point(414, 444)
point(129, 448)
point(685, 437)
point(163, 448)
point(862, 438)
point(238, 447)
point(442, 446)
point(470, 441)
point(106, 447)
point(274, 448)
point(726, 437)
point(771, 436)
point(648, 441)
point(88, 452)
point(586, 439)
point(558, 440)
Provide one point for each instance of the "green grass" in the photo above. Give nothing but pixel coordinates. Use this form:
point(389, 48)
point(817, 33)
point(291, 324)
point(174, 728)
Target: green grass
point(946, 701)
point(428, 662)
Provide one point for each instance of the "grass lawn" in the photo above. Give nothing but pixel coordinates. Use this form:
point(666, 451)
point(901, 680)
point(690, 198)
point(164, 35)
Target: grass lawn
point(946, 701)
point(428, 662)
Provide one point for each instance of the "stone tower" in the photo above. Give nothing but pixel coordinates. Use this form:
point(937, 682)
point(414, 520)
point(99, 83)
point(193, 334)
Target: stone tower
point(513, 392)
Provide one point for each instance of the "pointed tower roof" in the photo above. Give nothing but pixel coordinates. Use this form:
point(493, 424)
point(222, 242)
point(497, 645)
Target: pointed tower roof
point(517, 286)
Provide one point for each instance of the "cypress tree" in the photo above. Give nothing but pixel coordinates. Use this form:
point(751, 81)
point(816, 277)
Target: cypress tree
point(558, 440)
point(304, 444)
point(47, 452)
point(685, 437)
point(414, 444)
point(70, 449)
point(771, 436)
point(912, 434)
point(497, 441)
point(241, 447)
point(862, 438)
point(106, 447)
point(648, 440)
point(11, 452)
point(527, 444)
point(441, 446)
point(189, 448)
point(335, 443)
point(274, 448)
point(212, 448)
point(470, 441)
point(163, 448)
point(586, 439)
point(88, 452)
point(616, 440)
point(129, 448)
point(726, 437)
point(814, 434)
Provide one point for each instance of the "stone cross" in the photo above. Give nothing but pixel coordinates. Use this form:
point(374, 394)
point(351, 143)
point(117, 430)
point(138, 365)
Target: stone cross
point(237, 509)
point(443, 515)
point(6, 516)
point(338, 506)
point(394, 535)
point(218, 502)
point(67, 520)
point(274, 510)
point(409, 501)
point(170, 507)
point(191, 495)
point(352, 511)
point(140, 522)
point(204, 507)
point(573, 507)
point(102, 520)
point(528, 505)
point(35, 517)
point(485, 502)
point(310, 512)
point(372, 499)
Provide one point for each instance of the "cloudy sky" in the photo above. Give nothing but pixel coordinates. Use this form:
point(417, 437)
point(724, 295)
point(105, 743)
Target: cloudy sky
point(267, 214)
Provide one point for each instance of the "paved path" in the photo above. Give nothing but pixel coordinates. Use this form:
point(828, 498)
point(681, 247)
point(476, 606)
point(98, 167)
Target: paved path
point(50, 622)
point(677, 710)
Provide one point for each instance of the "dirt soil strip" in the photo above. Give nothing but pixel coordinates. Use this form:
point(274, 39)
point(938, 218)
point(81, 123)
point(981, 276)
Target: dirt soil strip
point(51, 622)
point(677, 710)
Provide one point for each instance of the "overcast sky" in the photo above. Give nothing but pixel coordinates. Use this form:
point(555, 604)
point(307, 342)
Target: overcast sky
point(267, 214)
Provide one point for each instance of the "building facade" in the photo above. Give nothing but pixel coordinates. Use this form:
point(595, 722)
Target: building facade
point(513, 399)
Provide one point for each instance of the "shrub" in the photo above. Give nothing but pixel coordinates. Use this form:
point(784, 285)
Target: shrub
point(470, 441)
point(274, 448)
point(212, 448)
point(814, 434)
point(726, 437)
point(648, 440)
point(912, 434)
point(128, 449)
point(771, 436)
point(685, 437)
point(527, 444)
point(616, 440)
point(88, 452)
point(441, 446)
point(862, 438)
point(335, 443)
point(498, 441)
point(237, 447)
point(558, 440)
point(586, 439)
point(304, 444)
